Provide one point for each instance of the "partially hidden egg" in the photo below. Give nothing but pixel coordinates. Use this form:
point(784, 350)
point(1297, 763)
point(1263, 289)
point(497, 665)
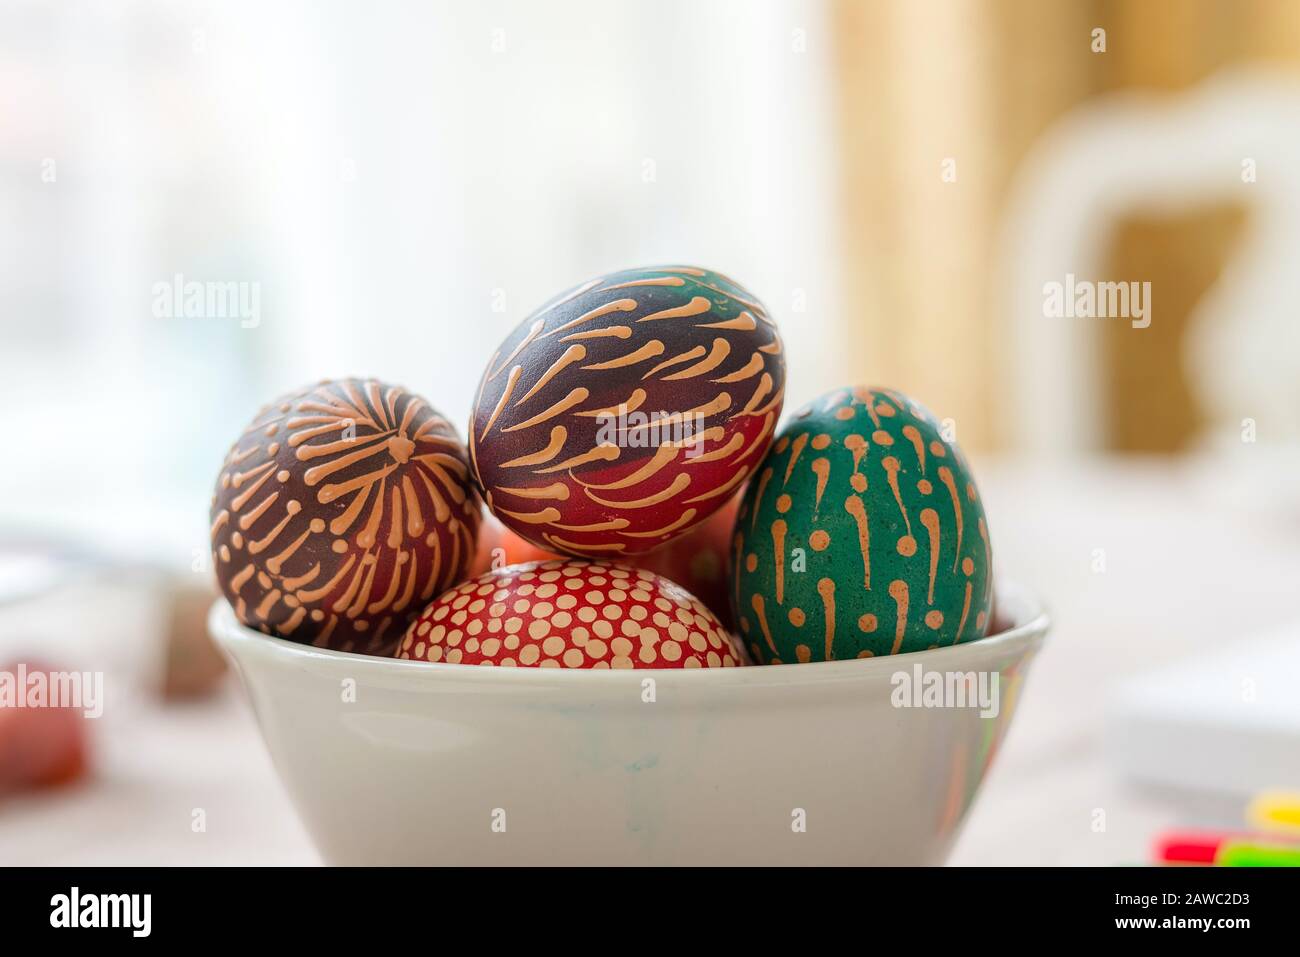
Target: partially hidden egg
point(570, 613)
point(627, 410)
point(340, 512)
point(697, 560)
point(499, 547)
point(861, 534)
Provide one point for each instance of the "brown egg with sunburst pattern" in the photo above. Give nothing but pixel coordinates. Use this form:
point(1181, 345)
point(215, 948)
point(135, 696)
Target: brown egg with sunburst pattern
point(628, 410)
point(340, 512)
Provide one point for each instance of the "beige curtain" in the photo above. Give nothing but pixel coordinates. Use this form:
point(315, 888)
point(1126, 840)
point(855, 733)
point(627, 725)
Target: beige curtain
point(938, 103)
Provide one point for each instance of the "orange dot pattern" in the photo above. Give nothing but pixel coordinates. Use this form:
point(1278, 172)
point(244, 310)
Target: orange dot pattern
point(570, 613)
point(875, 542)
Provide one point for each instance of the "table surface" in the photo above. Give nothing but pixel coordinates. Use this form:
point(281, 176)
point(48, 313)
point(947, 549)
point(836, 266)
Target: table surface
point(1141, 563)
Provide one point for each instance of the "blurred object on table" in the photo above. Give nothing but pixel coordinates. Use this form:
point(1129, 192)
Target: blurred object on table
point(105, 607)
point(43, 739)
point(1277, 811)
point(193, 665)
point(1226, 721)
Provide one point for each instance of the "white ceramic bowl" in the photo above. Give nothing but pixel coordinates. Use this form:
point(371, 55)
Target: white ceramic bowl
point(784, 764)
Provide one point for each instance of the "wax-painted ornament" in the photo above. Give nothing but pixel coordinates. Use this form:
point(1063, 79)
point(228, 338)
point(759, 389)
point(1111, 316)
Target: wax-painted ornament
point(698, 560)
point(862, 533)
point(570, 613)
point(339, 512)
point(498, 547)
point(627, 410)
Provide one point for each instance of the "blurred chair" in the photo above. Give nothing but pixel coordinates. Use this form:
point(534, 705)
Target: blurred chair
point(960, 201)
point(1130, 153)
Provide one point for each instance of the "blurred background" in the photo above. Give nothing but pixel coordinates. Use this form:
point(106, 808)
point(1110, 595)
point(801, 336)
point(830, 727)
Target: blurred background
point(393, 186)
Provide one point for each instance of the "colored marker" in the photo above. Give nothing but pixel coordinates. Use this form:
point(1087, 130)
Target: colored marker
point(1275, 811)
point(1188, 847)
point(1244, 854)
point(1200, 847)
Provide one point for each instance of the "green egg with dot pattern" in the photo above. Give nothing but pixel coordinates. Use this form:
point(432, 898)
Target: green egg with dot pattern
point(862, 533)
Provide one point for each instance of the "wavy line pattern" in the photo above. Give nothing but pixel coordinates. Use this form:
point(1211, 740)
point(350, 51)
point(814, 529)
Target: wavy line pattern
point(646, 394)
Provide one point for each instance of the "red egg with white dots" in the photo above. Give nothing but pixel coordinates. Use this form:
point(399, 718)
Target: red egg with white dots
point(570, 613)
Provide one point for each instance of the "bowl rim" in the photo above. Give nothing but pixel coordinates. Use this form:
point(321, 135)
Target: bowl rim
point(1031, 623)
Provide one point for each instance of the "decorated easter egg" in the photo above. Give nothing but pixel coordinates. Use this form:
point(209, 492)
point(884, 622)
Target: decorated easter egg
point(498, 547)
point(627, 410)
point(861, 534)
point(697, 560)
point(339, 512)
point(570, 613)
